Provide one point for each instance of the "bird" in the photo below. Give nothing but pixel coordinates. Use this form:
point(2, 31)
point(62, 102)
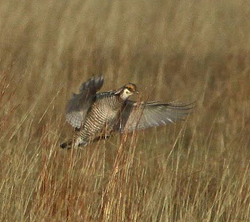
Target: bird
point(98, 115)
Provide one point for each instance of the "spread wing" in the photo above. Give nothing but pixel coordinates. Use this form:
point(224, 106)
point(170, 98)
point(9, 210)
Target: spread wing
point(79, 104)
point(144, 115)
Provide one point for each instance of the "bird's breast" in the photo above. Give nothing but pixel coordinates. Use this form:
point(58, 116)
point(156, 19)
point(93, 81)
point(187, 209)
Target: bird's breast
point(103, 114)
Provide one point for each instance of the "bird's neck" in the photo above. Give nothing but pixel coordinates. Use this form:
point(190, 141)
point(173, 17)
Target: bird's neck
point(120, 99)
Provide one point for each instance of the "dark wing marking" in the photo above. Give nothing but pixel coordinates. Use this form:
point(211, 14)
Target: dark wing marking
point(143, 115)
point(79, 104)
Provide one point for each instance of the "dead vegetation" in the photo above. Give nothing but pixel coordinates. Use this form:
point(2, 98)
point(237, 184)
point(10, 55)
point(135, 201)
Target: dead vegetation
point(196, 170)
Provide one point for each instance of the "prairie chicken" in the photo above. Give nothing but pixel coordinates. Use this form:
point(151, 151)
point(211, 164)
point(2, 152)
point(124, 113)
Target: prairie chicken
point(98, 115)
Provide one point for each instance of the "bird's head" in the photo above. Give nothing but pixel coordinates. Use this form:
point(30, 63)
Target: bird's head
point(126, 91)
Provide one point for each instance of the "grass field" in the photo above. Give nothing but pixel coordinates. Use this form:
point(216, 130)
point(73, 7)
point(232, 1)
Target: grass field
point(184, 50)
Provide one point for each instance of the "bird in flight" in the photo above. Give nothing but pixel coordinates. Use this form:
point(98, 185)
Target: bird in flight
point(97, 115)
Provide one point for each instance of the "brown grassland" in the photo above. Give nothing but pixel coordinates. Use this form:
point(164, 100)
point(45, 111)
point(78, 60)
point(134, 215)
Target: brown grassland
point(175, 50)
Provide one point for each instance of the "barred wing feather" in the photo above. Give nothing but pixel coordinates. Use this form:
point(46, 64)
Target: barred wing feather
point(144, 115)
point(79, 104)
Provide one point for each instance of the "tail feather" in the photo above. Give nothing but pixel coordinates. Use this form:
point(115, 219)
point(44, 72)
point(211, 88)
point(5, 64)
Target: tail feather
point(67, 144)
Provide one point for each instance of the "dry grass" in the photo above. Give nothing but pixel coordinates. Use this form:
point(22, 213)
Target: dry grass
point(197, 170)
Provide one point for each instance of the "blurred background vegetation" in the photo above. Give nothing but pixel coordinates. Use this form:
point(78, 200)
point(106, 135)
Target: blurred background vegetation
point(176, 50)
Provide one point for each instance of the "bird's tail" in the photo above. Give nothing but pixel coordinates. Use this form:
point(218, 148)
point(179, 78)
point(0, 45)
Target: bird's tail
point(67, 144)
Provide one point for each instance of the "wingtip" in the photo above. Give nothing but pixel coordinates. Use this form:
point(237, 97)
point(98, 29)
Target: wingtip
point(93, 82)
point(99, 80)
point(183, 106)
